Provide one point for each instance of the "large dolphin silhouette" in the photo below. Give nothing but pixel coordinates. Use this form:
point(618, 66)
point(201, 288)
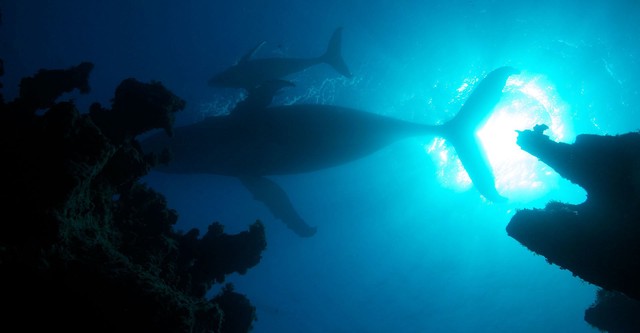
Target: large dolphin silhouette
point(249, 73)
point(256, 141)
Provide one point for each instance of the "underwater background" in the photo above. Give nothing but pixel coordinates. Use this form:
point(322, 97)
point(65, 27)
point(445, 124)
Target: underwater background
point(404, 242)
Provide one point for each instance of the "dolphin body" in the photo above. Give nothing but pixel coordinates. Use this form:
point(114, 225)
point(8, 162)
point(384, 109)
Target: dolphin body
point(249, 73)
point(280, 140)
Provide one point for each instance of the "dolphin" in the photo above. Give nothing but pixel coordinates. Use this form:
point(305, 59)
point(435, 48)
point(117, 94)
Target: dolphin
point(249, 72)
point(262, 141)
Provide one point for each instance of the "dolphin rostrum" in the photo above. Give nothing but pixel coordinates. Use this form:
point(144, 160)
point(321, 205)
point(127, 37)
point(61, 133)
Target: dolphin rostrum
point(249, 72)
point(279, 140)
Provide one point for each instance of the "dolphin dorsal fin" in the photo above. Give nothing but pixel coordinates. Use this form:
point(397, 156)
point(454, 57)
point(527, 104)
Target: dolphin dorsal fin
point(251, 52)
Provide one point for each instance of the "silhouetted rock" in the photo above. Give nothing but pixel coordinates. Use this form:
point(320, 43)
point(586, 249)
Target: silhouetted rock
point(236, 320)
point(84, 246)
point(1, 73)
point(598, 240)
point(137, 108)
point(614, 313)
point(42, 90)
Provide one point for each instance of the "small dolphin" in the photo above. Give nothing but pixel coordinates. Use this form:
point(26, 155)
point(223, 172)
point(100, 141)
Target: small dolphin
point(249, 72)
point(278, 140)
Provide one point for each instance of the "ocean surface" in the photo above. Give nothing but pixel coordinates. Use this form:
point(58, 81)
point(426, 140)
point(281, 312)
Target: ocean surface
point(404, 242)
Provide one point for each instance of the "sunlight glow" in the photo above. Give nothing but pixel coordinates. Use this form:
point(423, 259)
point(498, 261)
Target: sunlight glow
point(528, 100)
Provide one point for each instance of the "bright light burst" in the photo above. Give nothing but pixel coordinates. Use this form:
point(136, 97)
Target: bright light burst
point(528, 100)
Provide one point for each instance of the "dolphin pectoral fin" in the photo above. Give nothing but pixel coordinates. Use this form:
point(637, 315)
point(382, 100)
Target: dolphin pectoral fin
point(276, 199)
point(475, 162)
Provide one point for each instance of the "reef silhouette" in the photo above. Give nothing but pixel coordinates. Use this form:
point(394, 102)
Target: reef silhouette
point(85, 245)
point(599, 239)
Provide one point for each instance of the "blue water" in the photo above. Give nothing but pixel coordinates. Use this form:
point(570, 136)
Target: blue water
point(400, 246)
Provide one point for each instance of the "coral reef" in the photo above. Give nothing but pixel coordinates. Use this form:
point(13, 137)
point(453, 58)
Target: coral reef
point(614, 312)
point(85, 246)
point(598, 240)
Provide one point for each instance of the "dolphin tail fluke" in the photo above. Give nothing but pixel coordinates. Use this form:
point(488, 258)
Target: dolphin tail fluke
point(276, 199)
point(333, 55)
point(461, 131)
point(474, 160)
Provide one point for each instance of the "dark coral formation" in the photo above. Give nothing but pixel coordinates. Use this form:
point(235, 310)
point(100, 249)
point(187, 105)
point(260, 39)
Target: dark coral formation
point(137, 107)
point(42, 90)
point(614, 312)
point(598, 240)
point(84, 245)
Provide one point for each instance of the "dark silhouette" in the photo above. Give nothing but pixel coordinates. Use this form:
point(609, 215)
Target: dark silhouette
point(85, 247)
point(614, 312)
point(249, 73)
point(292, 139)
point(598, 240)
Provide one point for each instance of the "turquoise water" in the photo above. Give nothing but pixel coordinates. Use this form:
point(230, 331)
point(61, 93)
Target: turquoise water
point(404, 242)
